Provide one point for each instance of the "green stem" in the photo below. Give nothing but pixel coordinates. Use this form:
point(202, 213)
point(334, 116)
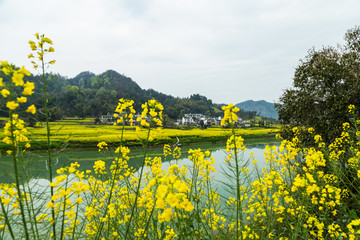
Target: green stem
point(139, 182)
point(76, 215)
point(148, 221)
point(111, 188)
point(63, 213)
point(14, 157)
point(48, 134)
point(210, 200)
point(238, 197)
point(31, 210)
point(7, 220)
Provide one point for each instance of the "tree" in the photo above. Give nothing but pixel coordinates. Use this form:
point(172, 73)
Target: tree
point(171, 112)
point(325, 83)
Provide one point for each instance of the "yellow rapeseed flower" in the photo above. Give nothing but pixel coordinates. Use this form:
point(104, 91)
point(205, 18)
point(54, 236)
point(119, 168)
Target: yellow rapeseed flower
point(31, 109)
point(230, 116)
point(4, 63)
point(12, 105)
point(166, 215)
point(152, 112)
point(172, 200)
point(4, 92)
point(187, 205)
point(46, 40)
point(351, 108)
point(71, 214)
point(124, 111)
point(6, 201)
point(102, 145)
point(32, 45)
point(50, 205)
point(311, 130)
point(317, 138)
point(99, 167)
point(21, 99)
point(23, 71)
point(28, 88)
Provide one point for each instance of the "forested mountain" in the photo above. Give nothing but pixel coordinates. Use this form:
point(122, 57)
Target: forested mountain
point(262, 108)
point(90, 95)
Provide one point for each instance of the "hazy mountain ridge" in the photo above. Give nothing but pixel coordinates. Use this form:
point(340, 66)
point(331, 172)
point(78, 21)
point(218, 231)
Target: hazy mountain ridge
point(262, 107)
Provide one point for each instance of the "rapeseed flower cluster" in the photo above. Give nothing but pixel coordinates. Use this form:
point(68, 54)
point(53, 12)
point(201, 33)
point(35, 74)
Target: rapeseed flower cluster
point(151, 118)
point(151, 112)
point(102, 146)
point(230, 116)
point(297, 196)
point(124, 112)
point(14, 90)
point(234, 145)
point(14, 78)
point(15, 131)
point(42, 46)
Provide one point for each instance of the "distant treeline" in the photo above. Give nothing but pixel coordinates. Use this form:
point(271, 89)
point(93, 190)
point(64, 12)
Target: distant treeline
point(90, 95)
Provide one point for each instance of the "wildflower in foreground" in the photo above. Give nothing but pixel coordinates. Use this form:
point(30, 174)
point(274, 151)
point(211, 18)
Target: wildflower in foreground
point(124, 112)
point(31, 109)
point(102, 145)
point(152, 111)
point(230, 116)
point(43, 46)
point(12, 105)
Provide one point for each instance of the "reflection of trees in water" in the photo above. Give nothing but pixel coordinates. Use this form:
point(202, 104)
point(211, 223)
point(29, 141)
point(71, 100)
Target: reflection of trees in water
point(36, 166)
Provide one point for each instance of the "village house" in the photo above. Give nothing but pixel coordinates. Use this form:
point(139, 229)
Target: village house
point(191, 119)
point(107, 119)
point(245, 124)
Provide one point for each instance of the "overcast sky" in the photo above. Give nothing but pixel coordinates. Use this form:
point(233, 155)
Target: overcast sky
point(226, 50)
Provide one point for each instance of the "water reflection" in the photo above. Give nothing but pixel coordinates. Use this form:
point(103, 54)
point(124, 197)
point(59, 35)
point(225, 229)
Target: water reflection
point(36, 163)
point(219, 155)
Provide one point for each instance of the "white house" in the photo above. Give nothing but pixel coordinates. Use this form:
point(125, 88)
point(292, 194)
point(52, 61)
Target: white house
point(195, 119)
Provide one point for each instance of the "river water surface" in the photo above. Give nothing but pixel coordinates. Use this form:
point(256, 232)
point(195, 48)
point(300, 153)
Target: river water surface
point(37, 162)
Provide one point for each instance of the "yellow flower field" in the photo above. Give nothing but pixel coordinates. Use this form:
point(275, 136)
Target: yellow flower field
point(73, 131)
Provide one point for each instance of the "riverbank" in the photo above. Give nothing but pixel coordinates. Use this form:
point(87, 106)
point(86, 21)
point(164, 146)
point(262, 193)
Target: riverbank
point(76, 135)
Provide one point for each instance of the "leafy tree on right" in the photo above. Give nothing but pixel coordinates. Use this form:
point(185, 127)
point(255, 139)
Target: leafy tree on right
point(325, 83)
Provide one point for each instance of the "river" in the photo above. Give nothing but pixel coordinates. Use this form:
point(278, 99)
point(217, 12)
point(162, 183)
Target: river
point(37, 162)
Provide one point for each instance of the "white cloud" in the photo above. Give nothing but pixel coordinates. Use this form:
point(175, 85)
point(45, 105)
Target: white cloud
point(228, 50)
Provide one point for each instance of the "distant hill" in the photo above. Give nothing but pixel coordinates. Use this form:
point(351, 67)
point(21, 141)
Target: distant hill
point(263, 108)
point(91, 95)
